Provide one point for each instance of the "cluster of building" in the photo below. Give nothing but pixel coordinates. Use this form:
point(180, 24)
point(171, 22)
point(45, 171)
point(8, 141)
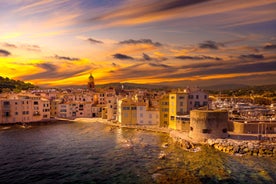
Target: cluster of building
point(127, 107)
point(173, 109)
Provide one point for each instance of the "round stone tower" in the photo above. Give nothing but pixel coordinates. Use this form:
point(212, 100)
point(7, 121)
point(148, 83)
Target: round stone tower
point(205, 124)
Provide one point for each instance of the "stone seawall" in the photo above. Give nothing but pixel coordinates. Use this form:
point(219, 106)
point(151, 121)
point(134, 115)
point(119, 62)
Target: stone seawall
point(239, 147)
point(182, 139)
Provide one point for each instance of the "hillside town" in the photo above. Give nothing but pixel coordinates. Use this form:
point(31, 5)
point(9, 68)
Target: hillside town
point(139, 107)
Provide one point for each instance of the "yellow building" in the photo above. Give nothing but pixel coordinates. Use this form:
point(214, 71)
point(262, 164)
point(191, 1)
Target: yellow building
point(127, 112)
point(178, 105)
point(164, 111)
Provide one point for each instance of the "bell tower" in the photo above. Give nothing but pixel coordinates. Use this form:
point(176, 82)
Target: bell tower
point(91, 83)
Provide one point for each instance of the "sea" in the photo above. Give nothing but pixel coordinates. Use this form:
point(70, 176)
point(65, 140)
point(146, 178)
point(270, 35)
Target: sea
point(88, 153)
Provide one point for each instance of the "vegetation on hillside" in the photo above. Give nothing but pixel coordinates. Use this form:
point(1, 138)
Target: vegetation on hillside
point(7, 85)
point(261, 94)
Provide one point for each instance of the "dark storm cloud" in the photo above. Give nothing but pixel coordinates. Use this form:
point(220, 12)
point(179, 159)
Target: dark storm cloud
point(147, 9)
point(198, 58)
point(141, 41)
point(159, 65)
point(93, 41)
point(230, 68)
point(270, 46)
point(252, 56)
point(170, 5)
point(146, 57)
point(142, 70)
point(4, 53)
point(66, 58)
point(122, 56)
point(51, 72)
point(210, 45)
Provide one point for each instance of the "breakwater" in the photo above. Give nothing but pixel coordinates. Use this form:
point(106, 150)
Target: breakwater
point(244, 147)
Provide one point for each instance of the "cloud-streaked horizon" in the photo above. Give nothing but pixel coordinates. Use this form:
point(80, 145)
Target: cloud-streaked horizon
point(52, 43)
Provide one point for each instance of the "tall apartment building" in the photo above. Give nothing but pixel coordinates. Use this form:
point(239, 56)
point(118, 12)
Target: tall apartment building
point(111, 104)
point(178, 105)
point(182, 102)
point(127, 112)
point(164, 111)
point(21, 109)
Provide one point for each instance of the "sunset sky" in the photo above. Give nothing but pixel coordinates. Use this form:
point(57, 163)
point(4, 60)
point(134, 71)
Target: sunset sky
point(176, 42)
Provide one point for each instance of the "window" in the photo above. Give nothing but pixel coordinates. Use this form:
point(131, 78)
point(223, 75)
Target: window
point(196, 96)
point(205, 96)
point(141, 115)
point(172, 97)
point(197, 103)
point(35, 102)
point(191, 128)
point(141, 121)
point(206, 131)
point(15, 103)
point(181, 97)
point(191, 97)
point(16, 113)
point(81, 107)
point(172, 117)
point(165, 115)
point(224, 130)
point(6, 103)
point(181, 103)
point(133, 108)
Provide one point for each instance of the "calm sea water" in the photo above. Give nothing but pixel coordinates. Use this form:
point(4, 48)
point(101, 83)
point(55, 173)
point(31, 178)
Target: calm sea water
point(97, 153)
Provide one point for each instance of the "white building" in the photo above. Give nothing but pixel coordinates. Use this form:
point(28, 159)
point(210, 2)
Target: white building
point(147, 116)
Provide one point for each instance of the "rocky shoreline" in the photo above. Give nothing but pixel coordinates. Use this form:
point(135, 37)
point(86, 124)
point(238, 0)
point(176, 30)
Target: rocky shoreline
point(244, 147)
point(230, 146)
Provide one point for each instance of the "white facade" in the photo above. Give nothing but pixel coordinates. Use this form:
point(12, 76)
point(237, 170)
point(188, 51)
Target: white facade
point(197, 99)
point(147, 117)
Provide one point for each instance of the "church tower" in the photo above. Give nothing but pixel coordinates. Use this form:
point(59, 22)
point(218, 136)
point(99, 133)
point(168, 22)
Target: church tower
point(91, 84)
